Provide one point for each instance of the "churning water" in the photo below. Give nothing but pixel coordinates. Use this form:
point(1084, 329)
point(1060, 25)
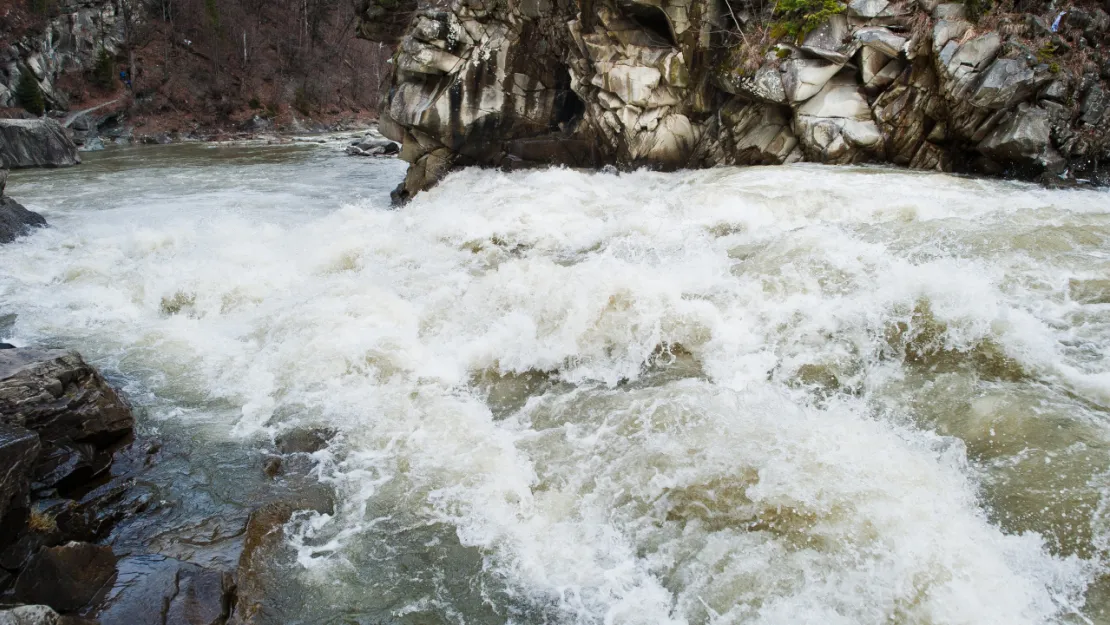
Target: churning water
point(767, 395)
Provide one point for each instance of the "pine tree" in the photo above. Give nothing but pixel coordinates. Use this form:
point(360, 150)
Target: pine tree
point(104, 73)
point(29, 93)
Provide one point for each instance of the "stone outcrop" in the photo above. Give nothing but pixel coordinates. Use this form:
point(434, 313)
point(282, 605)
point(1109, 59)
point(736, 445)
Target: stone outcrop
point(60, 423)
point(695, 83)
point(36, 143)
point(69, 43)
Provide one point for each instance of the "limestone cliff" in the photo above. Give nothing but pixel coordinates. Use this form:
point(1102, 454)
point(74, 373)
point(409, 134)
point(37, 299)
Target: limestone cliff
point(697, 83)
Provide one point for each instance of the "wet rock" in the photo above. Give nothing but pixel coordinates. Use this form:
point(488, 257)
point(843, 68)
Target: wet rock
point(39, 615)
point(36, 143)
point(19, 449)
point(156, 590)
point(373, 147)
point(15, 220)
point(264, 538)
point(304, 440)
point(66, 577)
point(63, 399)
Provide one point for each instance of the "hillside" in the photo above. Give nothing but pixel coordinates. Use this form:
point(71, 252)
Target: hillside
point(194, 66)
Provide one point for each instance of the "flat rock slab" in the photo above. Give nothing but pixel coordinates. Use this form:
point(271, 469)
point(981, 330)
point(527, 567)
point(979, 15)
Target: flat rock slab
point(156, 590)
point(36, 143)
point(15, 220)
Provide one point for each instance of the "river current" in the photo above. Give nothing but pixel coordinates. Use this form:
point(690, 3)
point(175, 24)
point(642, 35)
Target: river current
point(776, 395)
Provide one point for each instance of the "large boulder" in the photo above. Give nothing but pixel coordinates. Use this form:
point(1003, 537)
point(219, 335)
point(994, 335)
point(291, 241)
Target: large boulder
point(67, 577)
point(15, 220)
point(36, 143)
point(58, 395)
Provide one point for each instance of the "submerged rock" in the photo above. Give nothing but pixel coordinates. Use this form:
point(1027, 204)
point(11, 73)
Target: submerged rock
point(36, 143)
point(257, 573)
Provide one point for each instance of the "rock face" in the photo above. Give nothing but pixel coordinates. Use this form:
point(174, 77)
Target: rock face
point(697, 83)
point(70, 43)
point(36, 143)
point(60, 422)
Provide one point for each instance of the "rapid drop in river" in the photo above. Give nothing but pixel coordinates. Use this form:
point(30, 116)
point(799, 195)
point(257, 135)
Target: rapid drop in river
point(782, 395)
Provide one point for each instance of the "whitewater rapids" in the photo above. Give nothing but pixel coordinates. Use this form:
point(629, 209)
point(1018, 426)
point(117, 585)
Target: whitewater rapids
point(768, 395)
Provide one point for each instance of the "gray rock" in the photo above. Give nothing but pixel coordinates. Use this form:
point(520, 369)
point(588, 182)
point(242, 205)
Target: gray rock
point(156, 590)
point(881, 39)
point(67, 577)
point(1093, 109)
point(75, 412)
point(55, 393)
point(92, 144)
point(19, 449)
point(15, 220)
point(304, 440)
point(36, 143)
point(1023, 140)
point(1004, 83)
point(39, 615)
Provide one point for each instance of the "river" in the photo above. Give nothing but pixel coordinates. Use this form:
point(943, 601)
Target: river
point(775, 395)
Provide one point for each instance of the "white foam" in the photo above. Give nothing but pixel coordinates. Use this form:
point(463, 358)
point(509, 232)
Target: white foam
point(732, 499)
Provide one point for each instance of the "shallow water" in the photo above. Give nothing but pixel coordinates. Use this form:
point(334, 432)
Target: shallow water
point(765, 395)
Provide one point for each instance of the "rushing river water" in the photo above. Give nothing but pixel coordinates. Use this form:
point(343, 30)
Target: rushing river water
point(768, 395)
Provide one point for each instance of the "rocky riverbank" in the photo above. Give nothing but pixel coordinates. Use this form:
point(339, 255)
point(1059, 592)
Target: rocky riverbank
point(77, 495)
point(982, 88)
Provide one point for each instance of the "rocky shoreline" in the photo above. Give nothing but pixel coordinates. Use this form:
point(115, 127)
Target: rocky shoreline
point(77, 483)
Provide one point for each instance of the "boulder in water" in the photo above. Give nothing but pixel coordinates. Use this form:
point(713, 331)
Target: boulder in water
point(36, 143)
point(15, 220)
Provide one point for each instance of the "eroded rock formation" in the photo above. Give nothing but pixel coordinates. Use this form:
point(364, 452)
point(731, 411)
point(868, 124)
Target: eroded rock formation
point(36, 143)
point(697, 83)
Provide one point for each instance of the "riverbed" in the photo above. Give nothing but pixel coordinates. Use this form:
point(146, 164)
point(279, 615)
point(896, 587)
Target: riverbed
point(771, 395)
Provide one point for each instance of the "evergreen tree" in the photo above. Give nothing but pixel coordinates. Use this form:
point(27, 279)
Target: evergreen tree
point(104, 72)
point(29, 93)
